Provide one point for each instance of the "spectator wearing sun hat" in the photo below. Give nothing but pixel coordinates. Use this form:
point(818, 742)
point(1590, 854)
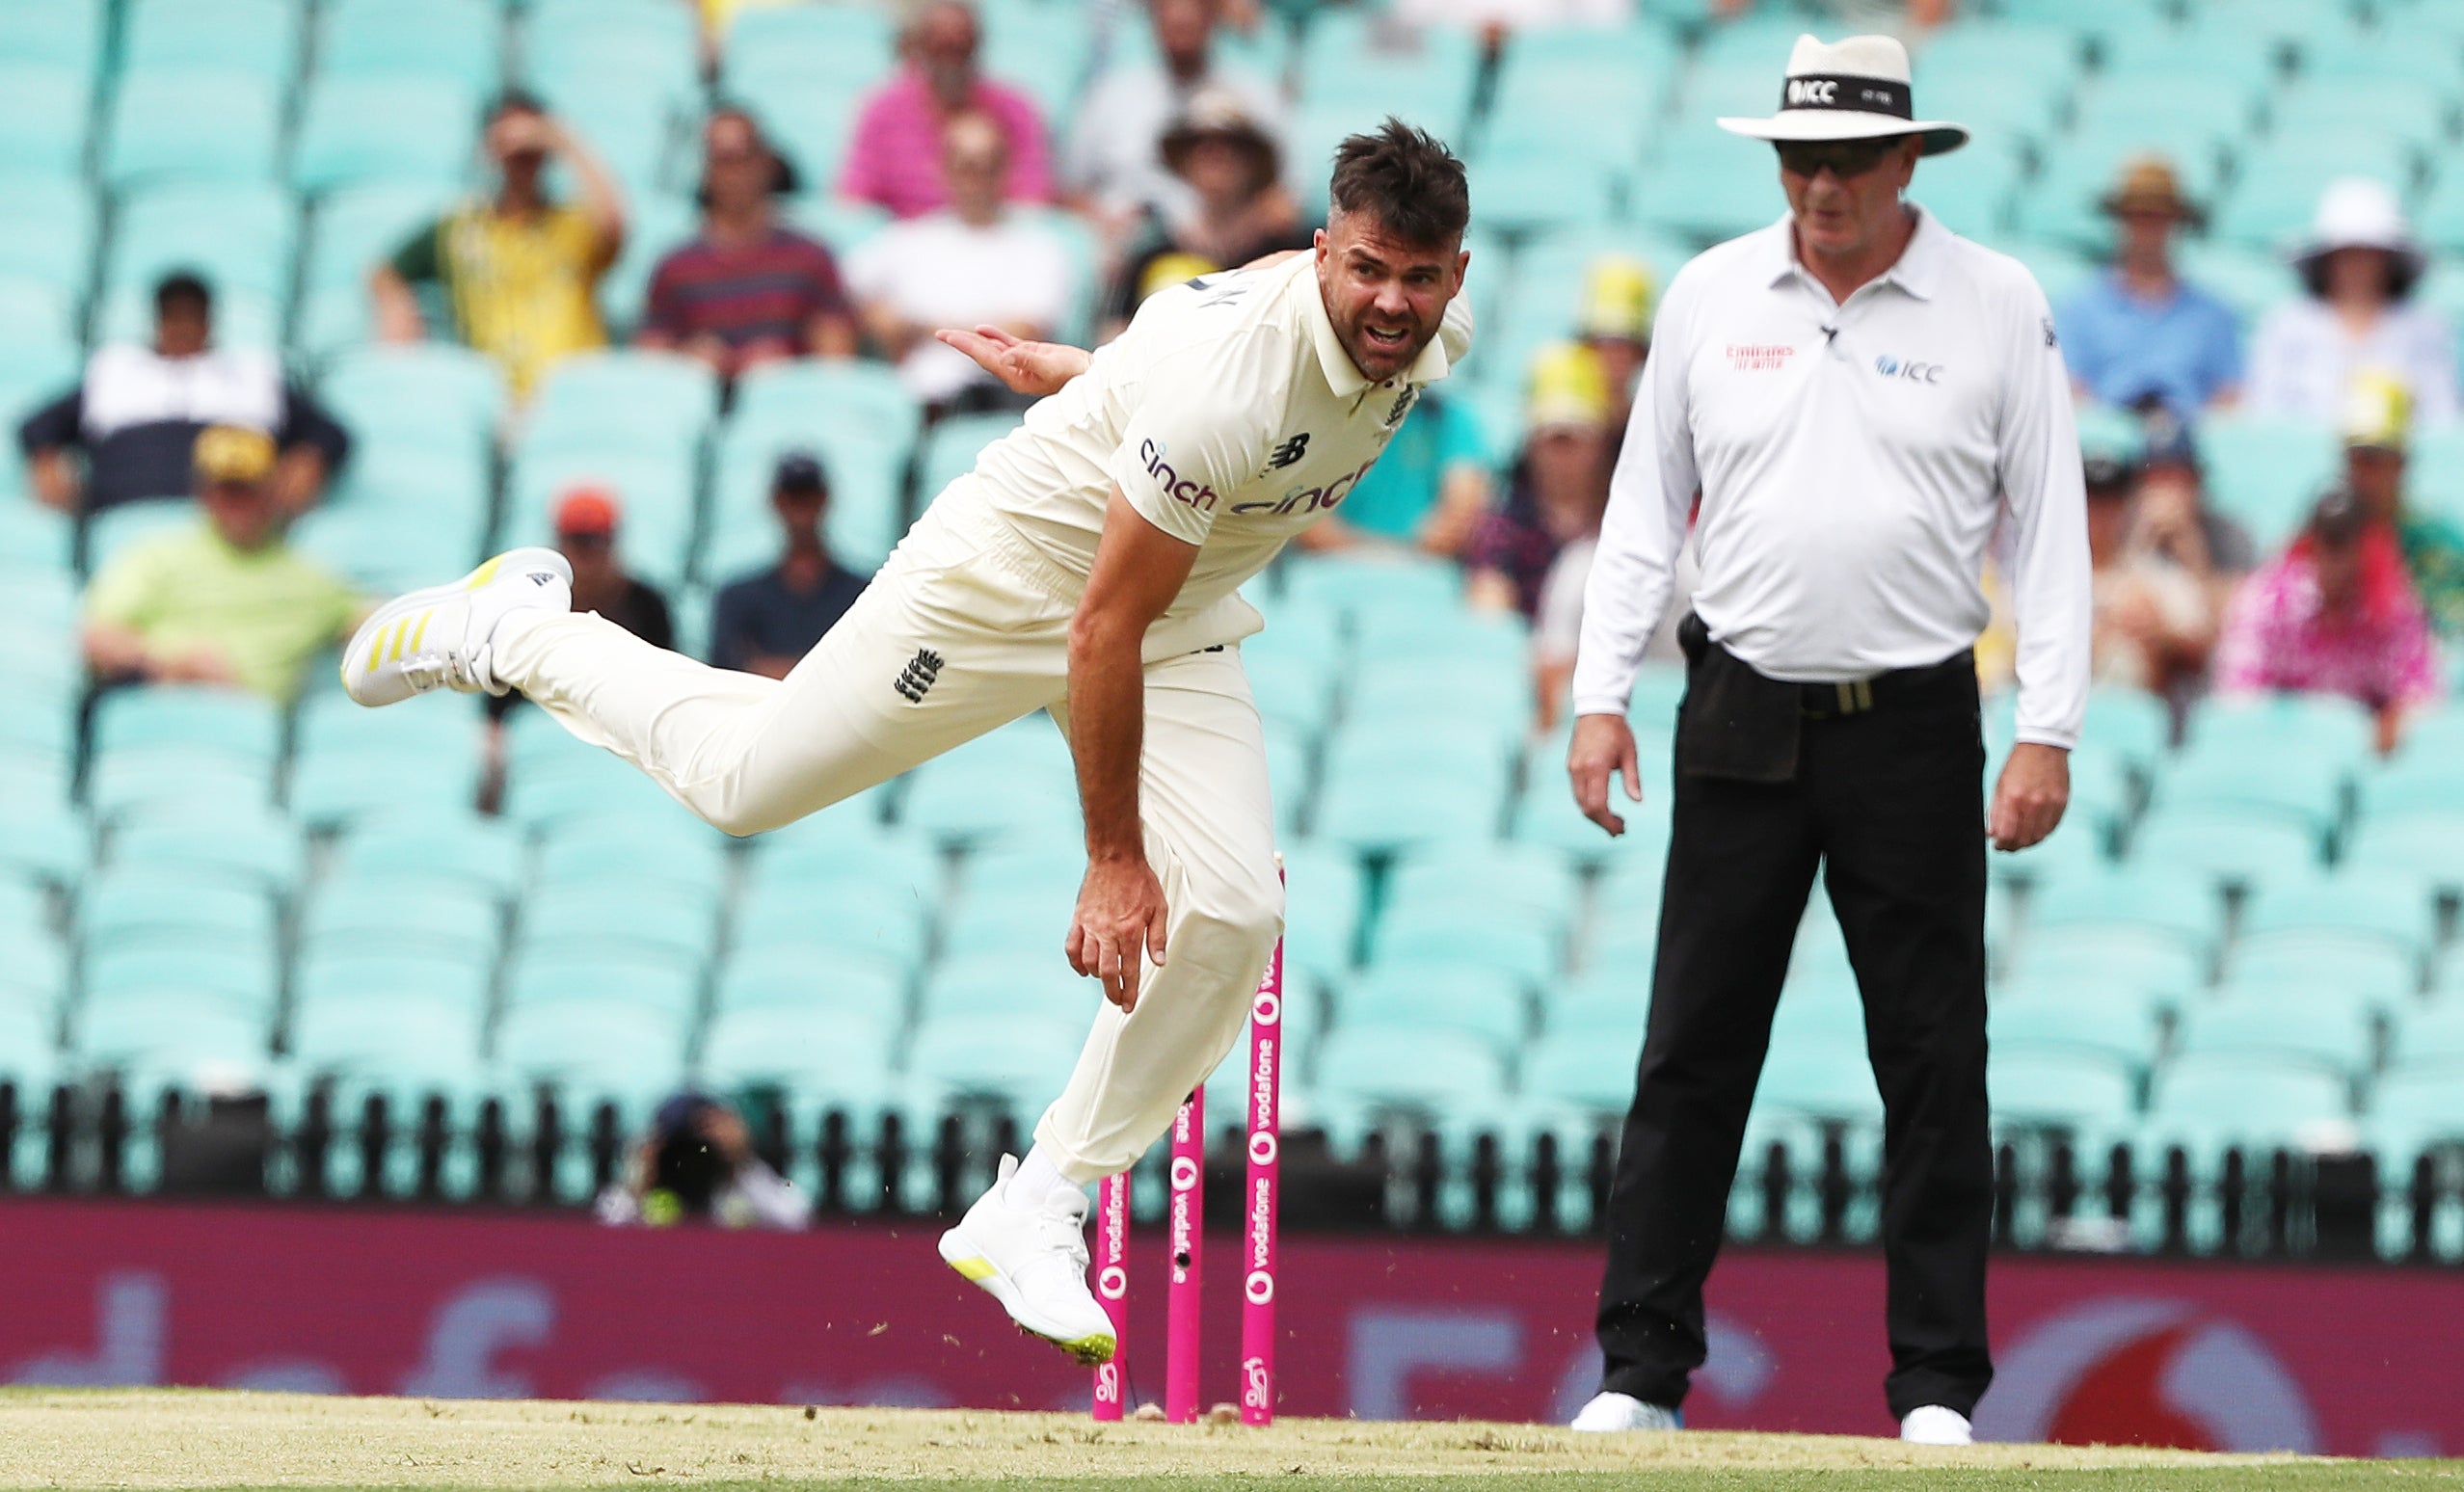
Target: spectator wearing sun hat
point(1231, 207)
point(2137, 333)
point(2377, 435)
point(2361, 266)
point(222, 601)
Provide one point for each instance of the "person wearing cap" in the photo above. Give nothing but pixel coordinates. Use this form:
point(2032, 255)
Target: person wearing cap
point(1234, 207)
point(588, 521)
point(2377, 434)
point(2138, 332)
point(1616, 325)
point(1114, 164)
point(136, 414)
point(225, 600)
point(2334, 614)
point(1554, 492)
point(1865, 402)
point(765, 621)
point(748, 289)
point(2360, 267)
point(519, 270)
point(978, 261)
point(2156, 593)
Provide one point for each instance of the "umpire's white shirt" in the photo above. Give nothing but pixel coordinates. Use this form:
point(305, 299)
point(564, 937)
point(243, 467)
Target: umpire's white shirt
point(1854, 461)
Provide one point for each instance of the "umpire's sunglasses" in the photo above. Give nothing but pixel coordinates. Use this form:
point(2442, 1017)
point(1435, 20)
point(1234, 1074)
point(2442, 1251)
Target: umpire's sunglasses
point(1844, 158)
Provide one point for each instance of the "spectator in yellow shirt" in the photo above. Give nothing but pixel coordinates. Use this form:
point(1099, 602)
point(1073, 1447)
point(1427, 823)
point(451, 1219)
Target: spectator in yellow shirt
point(226, 601)
point(519, 273)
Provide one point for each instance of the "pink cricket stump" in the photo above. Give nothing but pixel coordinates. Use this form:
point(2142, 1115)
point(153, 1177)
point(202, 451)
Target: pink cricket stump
point(1111, 1287)
point(1266, 1179)
point(1185, 1225)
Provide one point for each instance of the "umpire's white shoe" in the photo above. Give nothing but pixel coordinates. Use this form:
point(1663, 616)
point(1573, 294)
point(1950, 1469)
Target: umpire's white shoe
point(1932, 1425)
point(444, 637)
point(1032, 1260)
point(1609, 1412)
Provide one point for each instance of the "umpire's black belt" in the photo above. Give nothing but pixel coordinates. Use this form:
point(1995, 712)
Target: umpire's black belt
point(1740, 724)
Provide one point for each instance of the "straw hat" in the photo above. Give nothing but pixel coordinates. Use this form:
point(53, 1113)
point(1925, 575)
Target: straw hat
point(2147, 183)
point(1854, 88)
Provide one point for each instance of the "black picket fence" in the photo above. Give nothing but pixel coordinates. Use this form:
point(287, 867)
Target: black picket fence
point(2050, 1195)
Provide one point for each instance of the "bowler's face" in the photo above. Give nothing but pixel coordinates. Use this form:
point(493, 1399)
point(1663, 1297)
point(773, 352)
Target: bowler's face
point(1386, 297)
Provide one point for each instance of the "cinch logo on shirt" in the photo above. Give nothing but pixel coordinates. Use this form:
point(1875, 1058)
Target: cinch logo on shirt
point(1190, 493)
point(1758, 357)
point(1889, 366)
point(1308, 499)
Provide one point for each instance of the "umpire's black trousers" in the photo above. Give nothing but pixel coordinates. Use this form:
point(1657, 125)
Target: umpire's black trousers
point(1888, 801)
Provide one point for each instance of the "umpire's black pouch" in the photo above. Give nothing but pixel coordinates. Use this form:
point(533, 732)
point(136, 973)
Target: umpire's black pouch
point(1736, 724)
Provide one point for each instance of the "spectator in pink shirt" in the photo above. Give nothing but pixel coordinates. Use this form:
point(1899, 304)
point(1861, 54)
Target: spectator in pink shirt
point(2334, 614)
point(894, 159)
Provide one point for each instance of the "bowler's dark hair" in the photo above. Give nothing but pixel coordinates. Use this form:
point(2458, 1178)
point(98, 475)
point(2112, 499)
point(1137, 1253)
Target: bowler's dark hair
point(1407, 180)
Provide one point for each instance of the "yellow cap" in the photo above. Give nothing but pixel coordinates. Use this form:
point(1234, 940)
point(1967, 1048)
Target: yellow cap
point(1568, 388)
point(2378, 410)
point(1617, 299)
point(232, 453)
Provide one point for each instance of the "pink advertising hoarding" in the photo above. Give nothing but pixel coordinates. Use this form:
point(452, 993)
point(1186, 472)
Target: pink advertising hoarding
point(466, 1303)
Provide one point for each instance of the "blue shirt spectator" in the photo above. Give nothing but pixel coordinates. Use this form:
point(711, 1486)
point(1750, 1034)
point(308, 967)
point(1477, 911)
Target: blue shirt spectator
point(765, 621)
point(2137, 333)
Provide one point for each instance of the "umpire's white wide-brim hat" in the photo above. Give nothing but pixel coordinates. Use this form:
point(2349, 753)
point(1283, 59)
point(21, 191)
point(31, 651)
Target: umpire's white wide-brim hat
point(1854, 89)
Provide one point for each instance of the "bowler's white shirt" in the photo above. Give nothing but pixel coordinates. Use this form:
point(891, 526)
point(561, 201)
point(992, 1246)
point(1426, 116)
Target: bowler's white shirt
point(1855, 460)
point(1229, 415)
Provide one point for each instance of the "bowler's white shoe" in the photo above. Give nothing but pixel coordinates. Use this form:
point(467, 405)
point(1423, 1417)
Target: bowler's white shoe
point(1032, 1260)
point(445, 636)
point(1932, 1425)
point(1607, 1412)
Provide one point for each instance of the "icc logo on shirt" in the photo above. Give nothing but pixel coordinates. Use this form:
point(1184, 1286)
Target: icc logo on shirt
point(1889, 366)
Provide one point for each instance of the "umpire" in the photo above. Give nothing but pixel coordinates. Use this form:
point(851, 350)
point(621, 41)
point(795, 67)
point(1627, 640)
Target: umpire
point(1865, 402)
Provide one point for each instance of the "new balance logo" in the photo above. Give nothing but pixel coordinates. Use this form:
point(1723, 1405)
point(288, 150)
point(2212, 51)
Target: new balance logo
point(918, 676)
point(1288, 452)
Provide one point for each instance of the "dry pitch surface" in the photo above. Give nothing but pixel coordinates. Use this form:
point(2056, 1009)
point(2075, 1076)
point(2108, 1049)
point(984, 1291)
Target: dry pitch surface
point(199, 1438)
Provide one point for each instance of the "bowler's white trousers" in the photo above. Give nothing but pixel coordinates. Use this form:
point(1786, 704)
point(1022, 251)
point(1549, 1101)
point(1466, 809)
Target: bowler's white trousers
point(974, 619)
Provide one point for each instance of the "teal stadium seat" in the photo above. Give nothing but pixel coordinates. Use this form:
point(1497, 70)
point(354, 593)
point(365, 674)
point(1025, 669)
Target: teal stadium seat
point(586, 1056)
point(582, 980)
point(2078, 1091)
point(856, 419)
point(677, 854)
point(45, 111)
point(1591, 91)
point(357, 128)
point(457, 42)
point(1438, 994)
point(1019, 1062)
point(237, 978)
point(220, 127)
point(433, 977)
point(398, 914)
point(2380, 975)
point(478, 852)
point(255, 38)
point(40, 837)
point(350, 764)
point(134, 907)
point(1015, 785)
point(2420, 847)
point(2132, 903)
point(2334, 1036)
point(2229, 847)
point(238, 234)
point(818, 1061)
point(1446, 1080)
point(997, 987)
point(2114, 1023)
point(1323, 905)
point(1354, 59)
point(662, 927)
point(2210, 1102)
point(203, 719)
point(2350, 908)
point(208, 837)
point(885, 921)
point(816, 978)
point(55, 33)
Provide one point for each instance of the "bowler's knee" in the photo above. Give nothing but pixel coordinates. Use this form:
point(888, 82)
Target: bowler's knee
point(1241, 913)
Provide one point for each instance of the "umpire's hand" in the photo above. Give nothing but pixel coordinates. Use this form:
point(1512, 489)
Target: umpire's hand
point(2028, 800)
point(1603, 748)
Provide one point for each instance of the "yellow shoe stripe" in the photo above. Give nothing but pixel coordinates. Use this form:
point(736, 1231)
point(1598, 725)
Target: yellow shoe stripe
point(376, 648)
point(423, 629)
point(974, 1268)
point(483, 574)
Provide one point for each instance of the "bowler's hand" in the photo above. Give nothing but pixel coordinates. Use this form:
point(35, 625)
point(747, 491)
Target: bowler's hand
point(1121, 916)
point(1603, 748)
point(2028, 800)
point(1031, 368)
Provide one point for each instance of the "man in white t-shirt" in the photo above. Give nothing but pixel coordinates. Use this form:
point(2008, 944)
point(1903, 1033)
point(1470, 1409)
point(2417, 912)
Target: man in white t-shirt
point(1088, 566)
point(979, 260)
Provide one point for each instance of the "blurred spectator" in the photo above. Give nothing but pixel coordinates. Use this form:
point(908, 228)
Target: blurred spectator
point(1428, 491)
point(697, 1164)
point(137, 413)
point(2136, 331)
point(747, 290)
point(588, 519)
point(1113, 163)
point(896, 159)
point(2361, 266)
point(1233, 208)
point(978, 261)
point(225, 600)
point(1557, 491)
point(1616, 325)
point(2170, 474)
point(2154, 590)
point(1899, 18)
point(1494, 20)
point(2334, 614)
point(520, 271)
point(765, 621)
point(2377, 430)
